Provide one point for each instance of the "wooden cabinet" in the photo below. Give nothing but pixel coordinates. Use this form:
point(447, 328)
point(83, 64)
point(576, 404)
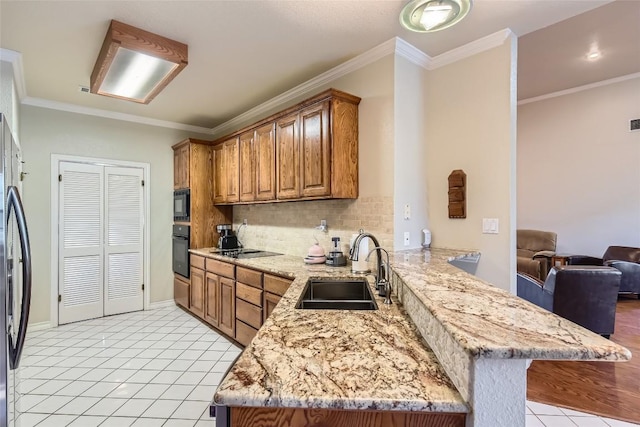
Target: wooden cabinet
point(219, 177)
point(193, 163)
point(197, 292)
point(232, 170)
point(212, 299)
point(181, 167)
point(227, 317)
point(274, 288)
point(315, 151)
point(265, 140)
point(181, 291)
point(270, 302)
point(247, 166)
point(306, 152)
point(288, 157)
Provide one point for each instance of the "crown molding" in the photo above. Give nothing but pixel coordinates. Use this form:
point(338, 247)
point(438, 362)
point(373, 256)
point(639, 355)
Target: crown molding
point(362, 60)
point(412, 53)
point(15, 58)
point(72, 108)
point(579, 88)
point(475, 47)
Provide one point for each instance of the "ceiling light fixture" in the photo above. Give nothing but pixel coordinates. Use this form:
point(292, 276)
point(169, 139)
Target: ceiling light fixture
point(426, 16)
point(135, 64)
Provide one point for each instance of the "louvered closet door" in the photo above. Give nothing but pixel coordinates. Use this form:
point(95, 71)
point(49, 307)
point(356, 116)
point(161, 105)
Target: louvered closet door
point(123, 240)
point(81, 225)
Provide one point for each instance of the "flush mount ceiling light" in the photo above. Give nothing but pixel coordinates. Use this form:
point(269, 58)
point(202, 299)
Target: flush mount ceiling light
point(426, 16)
point(136, 65)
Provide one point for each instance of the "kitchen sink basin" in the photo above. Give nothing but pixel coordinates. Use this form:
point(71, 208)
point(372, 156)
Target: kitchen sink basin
point(337, 294)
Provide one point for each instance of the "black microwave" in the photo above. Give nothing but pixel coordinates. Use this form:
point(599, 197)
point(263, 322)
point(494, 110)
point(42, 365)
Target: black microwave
point(181, 205)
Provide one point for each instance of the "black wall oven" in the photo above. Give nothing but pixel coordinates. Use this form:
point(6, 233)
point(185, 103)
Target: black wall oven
point(181, 201)
point(181, 250)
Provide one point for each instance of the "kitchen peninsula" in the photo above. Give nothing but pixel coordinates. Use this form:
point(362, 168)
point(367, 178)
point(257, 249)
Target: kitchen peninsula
point(456, 348)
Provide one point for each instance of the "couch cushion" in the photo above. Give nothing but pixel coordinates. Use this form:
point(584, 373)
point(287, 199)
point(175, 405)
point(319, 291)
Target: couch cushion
point(536, 240)
point(528, 266)
point(622, 253)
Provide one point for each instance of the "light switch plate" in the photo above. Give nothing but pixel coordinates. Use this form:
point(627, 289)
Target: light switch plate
point(490, 226)
point(407, 241)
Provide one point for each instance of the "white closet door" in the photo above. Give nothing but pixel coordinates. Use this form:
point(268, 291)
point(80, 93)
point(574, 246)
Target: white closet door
point(81, 225)
point(123, 240)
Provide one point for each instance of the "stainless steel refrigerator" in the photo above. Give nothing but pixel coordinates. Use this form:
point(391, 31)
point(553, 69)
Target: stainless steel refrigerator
point(15, 277)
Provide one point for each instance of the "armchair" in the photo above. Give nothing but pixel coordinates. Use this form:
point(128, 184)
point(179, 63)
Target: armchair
point(624, 258)
point(586, 295)
point(535, 249)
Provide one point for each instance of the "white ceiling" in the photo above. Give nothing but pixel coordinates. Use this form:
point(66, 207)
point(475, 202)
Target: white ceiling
point(243, 53)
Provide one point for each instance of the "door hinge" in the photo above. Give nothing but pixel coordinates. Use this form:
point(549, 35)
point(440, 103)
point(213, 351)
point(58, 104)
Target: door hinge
point(60, 178)
point(143, 286)
point(59, 298)
point(143, 182)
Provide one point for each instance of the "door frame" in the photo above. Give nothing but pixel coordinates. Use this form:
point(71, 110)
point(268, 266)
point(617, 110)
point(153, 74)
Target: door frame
point(55, 209)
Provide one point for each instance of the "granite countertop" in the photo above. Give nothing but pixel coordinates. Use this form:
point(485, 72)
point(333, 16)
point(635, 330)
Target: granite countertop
point(378, 359)
point(489, 322)
point(336, 359)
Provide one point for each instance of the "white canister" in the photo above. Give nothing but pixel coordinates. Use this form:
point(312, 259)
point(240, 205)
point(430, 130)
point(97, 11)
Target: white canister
point(360, 266)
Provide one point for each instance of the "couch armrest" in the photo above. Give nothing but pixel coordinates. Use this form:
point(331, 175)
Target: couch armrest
point(530, 289)
point(543, 254)
point(630, 281)
point(584, 260)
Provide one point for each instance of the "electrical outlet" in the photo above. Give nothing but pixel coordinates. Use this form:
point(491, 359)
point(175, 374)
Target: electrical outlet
point(407, 211)
point(244, 221)
point(407, 240)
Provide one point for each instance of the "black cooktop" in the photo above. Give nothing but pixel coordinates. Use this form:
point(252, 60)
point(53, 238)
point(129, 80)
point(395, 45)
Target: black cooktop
point(243, 253)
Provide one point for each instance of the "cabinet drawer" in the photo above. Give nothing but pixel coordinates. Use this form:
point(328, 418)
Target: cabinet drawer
point(248, 313)
point(276, 285)
point(249, 294)
point(249, 277)
point(181, 292)
point(197, 261)
point(244, 333)
point(221, 268)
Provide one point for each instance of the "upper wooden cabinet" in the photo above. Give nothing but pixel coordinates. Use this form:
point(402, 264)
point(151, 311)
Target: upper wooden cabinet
point(181, 167)
point(306, 152)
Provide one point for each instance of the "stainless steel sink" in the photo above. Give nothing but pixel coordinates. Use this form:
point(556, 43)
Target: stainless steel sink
point(337, 294)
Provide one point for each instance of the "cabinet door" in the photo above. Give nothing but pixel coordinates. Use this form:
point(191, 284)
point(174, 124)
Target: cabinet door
point(181, 167)
point(270, 302)
point(231, 170)
point(265, 162)
point(197, 292)
point(247, 167)
point(212, 299)
point(219, 181)
point(288, 157)
point(227, 317)
point(315, 151)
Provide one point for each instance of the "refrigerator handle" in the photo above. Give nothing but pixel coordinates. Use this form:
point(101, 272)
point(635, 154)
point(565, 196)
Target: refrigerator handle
point(14, 202)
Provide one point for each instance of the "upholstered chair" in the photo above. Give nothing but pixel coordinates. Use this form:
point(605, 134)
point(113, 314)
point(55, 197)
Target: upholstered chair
point(624, 258)
point(535, 249)
point(586, 295)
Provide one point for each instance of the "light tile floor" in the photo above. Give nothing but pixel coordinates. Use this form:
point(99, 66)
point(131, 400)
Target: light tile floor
point(153, 368)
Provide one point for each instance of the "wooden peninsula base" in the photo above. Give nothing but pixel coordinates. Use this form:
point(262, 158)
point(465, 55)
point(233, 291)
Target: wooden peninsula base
point(294, 417)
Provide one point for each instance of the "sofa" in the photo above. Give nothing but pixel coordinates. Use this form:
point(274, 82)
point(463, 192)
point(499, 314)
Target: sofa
point(534, 251)
point(624, 258)
point(586, 295)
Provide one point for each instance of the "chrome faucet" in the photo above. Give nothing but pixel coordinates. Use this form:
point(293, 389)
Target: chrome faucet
point(382, 278)
point(383, 284)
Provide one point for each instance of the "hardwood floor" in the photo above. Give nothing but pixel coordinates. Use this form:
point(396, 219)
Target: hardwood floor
point(607, 389)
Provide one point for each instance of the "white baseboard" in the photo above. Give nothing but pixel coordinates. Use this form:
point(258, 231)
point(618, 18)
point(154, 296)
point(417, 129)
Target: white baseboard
point(40, 326)
point(161, 304)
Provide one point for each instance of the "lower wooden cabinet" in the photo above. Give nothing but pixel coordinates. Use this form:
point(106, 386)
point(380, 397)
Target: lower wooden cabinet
point(270, 302)
point(244, 333)
point(197, 292)
point(181, 291)
point(212, 299)
point(227, 318)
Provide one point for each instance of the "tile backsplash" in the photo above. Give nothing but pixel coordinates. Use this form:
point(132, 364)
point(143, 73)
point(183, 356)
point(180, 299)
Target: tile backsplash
point(289, 227)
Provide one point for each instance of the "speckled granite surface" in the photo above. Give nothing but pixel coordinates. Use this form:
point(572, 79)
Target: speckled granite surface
point(378, 359)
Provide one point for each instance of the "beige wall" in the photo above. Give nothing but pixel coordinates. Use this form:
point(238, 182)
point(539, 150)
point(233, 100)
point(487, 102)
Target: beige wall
point(289, 227)
point(579, 168)
point(9, 98)
point(410, 173)
point(470, 126)
point(46, 132)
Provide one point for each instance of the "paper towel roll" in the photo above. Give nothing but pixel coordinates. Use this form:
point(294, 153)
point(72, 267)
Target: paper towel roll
point(360, 266)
